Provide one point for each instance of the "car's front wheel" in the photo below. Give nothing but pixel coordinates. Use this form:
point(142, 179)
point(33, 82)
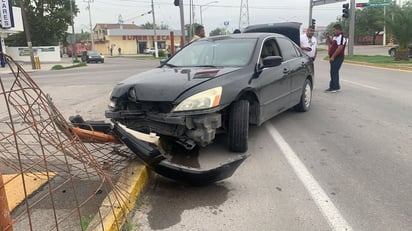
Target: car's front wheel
point(238, 130)
point(305, 98)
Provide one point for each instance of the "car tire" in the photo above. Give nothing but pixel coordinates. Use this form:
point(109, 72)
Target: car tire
point(392, 52)
point(238, 130)
point(102, 61)
point(305, 98)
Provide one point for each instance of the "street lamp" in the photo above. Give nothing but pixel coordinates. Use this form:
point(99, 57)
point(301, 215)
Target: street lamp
point(201, 10)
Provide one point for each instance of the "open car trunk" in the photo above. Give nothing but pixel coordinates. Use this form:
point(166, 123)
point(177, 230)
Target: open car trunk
point(288, 29)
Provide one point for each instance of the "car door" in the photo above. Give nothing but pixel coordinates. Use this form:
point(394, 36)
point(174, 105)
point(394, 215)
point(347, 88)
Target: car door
point(297, 71)
point(274, 82)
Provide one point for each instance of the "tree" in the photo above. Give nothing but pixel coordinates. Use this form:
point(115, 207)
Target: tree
point(399, 23)
point(48, 21)
point(369, 22)
point(149, 25)
point(218, 31)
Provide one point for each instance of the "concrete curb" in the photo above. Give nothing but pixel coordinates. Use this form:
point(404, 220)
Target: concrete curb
point(130, 184)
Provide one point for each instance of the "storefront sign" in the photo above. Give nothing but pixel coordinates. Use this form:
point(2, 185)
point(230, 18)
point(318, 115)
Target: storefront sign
point(7, 20)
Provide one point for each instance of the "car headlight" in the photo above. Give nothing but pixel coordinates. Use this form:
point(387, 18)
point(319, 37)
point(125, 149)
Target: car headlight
point(203, 100)
point(112, 103)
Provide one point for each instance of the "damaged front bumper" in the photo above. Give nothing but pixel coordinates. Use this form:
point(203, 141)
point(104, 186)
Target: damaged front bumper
point(153, 156)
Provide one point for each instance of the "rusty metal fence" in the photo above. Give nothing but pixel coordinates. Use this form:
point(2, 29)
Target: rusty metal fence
point(50, 179)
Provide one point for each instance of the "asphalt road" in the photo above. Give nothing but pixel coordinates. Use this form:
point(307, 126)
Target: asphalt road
point(344, 164)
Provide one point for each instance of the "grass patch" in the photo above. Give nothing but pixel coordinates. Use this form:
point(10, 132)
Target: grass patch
point(376, 59)
point(60, 67)
point(85, 222)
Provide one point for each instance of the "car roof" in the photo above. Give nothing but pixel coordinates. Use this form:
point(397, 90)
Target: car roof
point(243, 36)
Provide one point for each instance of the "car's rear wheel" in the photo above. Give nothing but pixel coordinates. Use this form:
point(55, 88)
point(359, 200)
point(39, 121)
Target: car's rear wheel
point(305, 98)
point(238, 130)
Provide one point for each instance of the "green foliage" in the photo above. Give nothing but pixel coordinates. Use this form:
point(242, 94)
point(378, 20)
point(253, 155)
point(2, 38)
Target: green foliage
point(218, 31)
point(149, 25)
point(60, 67)
point(161, 53)
point(369, 22)
point(48, 22)
point(400, 24)
point(375, 59)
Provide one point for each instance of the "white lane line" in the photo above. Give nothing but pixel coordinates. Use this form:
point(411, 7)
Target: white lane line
point(324, 203)
point(360, 84)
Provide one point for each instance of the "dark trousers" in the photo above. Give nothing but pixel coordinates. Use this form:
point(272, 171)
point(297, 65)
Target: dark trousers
point(334, 73)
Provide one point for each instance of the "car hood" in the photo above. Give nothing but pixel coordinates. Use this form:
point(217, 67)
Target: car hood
point(166, 84)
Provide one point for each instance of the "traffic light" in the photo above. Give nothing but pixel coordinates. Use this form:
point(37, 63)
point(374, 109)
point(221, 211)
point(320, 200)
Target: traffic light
point(345, 10)
point(313, 22)
point(177, 2)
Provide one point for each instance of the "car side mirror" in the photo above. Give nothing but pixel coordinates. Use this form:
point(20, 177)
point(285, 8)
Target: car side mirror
point(272, 61)
point(163, 61)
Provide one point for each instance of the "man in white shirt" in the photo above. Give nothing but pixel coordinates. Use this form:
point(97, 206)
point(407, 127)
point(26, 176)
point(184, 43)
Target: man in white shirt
point(308, 43)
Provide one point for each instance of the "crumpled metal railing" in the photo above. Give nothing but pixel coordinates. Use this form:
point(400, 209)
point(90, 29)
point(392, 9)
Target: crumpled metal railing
point(37, 147)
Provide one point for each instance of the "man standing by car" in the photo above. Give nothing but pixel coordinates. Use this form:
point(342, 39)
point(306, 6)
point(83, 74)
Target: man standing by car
point(308, 43)
point(336, 51)
point(199, 33)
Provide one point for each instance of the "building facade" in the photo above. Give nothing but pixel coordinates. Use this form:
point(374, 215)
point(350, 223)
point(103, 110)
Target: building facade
point(131, 39)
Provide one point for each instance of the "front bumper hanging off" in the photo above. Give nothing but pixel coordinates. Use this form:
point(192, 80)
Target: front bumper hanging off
point(155, 157)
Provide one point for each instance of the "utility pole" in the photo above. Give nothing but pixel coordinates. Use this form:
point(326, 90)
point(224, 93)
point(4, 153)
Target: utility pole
point(27, 32)
point(182, 24)
point(73, 40)
point(90, 20)
point(154, 32)
point(351, 41)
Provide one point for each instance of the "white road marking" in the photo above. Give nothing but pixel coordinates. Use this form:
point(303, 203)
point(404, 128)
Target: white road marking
point(324, 203)
point(360, 84)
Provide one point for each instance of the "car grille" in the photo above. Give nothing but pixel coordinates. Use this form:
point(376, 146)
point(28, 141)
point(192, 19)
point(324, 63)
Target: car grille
point(153, 107)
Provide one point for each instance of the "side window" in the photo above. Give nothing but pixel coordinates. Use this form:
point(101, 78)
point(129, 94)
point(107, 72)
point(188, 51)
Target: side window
point(269, 48)
point(287, 49)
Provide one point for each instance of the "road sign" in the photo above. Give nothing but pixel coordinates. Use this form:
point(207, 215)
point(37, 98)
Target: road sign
point(380, 4)
point(374, 4)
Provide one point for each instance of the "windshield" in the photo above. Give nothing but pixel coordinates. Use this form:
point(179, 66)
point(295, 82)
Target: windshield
point(224, 52)
point(93, 53)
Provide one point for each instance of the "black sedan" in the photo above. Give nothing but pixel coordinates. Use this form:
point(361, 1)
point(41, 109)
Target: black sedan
point(92, 56)
point(216, 84)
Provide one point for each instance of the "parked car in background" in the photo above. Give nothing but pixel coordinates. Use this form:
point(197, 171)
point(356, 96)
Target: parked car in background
point(150, 50)
point(220, 84)
point(92, 56)
point(392, 50)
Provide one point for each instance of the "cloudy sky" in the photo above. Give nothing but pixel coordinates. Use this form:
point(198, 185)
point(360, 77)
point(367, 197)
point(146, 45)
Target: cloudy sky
point(215, 13)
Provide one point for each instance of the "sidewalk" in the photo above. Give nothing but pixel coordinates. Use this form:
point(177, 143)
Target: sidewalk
point(81, 186)
point(27, 66)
